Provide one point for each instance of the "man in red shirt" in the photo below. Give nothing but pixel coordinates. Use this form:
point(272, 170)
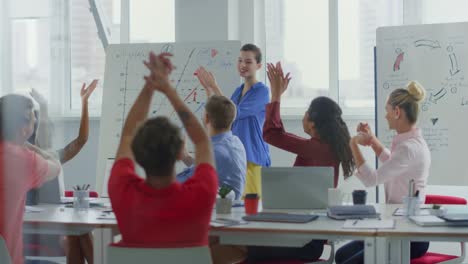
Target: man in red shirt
point(158, 211)
point(22, 167)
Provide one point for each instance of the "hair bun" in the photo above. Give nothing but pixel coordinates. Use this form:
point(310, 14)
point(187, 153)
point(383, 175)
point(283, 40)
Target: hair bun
point(416, 90)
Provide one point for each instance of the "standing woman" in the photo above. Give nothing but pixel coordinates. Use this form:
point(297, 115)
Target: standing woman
point(250, 99)
point(408, 159)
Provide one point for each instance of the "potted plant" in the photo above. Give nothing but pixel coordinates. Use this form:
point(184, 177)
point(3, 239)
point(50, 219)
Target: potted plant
point(223, 204)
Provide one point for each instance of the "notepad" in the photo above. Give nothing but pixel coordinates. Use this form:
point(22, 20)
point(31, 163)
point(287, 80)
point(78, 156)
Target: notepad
point(281, 217)
point(107, 216)
point(369, 224)
point(33, 209)
point(220, 222)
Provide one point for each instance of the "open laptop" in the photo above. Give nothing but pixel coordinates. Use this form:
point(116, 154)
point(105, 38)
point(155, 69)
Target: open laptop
point(296, 187)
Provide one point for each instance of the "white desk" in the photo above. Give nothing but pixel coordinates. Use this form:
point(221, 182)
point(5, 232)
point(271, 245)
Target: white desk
point(398, 240)
point(381, 246)
point(57, 219)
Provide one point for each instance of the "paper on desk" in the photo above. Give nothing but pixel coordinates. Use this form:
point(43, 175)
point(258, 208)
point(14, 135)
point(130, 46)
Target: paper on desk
point(33, 209)
point(107, 216)
point(220, 222)
point(369, 224)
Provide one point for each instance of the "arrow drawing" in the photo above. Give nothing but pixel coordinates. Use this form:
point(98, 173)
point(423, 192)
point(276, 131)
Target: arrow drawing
point(398, 60)
point(427, 43)
point(439, 95)
point(434, 121)
point(454, 63)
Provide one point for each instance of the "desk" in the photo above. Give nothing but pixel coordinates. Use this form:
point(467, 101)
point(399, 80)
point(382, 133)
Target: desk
point(59, 220)
point(55, 219)
point(398, 240)
point(381, 246)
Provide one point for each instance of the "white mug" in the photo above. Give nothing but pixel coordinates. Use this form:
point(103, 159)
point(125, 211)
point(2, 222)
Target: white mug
point(335, 197)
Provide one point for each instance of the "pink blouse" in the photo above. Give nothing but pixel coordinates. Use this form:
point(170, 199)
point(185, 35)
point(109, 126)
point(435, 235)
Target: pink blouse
point(409, 158)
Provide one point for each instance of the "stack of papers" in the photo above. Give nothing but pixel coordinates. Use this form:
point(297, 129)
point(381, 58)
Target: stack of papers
point(33, 209)
point(342, 212)
point(369, 224)
point(107, 216)
point(220, 222)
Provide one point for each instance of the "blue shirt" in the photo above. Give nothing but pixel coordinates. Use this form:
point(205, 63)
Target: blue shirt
point(231, 163)
point(249, 121)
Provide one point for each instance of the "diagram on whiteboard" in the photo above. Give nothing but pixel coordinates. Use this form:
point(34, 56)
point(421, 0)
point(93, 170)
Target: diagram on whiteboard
point(437, 57)
point(124, 80)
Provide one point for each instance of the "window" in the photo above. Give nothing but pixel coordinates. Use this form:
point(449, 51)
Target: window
point(444, 11)
point(87, 52)
point(152, 21)
point(28, 57)
point(303, 50)
point(358, 21)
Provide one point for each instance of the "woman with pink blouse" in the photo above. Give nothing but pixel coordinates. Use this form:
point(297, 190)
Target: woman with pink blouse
point(407, 159)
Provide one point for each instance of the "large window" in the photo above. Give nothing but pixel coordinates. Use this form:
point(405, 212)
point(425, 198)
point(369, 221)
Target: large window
point(54, 46)
point(297, 35)
point(444, 11)
point(87, 51)
point(149, 24)
point(357, 24)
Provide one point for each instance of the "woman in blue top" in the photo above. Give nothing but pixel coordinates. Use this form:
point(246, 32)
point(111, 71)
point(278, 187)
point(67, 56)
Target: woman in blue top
point(250, 99)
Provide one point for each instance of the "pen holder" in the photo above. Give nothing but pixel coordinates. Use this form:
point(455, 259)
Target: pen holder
point(411, 205)
point(81, 201)
point(223, 205)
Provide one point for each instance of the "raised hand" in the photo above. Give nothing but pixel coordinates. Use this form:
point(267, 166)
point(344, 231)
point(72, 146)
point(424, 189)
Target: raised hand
point(86, 92)
point(278, 81)
point(363, 139)
point(208, 81)
point(38, 97)
point(364, 128)
point(160, 67)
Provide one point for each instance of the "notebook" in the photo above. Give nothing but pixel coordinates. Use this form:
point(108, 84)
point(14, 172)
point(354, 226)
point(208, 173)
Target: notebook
point(342, 212)
point(432, 220)
point(281, 217)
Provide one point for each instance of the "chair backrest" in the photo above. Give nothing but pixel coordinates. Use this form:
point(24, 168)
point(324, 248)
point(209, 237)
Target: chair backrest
point(4, 254)
point(444, 199)
point(124, 255)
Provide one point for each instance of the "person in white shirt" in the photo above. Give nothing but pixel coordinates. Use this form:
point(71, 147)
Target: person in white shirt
point(408, 159)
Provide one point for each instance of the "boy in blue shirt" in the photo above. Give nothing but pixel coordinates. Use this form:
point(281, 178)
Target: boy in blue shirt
point(228, 150)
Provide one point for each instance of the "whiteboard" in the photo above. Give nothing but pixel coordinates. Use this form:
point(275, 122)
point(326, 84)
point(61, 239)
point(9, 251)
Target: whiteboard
point(436, 55)
point(123, 81)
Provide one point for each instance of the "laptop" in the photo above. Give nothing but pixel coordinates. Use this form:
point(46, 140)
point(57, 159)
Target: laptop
point(296, 187)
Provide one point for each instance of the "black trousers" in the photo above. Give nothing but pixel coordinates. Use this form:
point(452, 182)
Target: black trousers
point(353, 252)
point(310, 252)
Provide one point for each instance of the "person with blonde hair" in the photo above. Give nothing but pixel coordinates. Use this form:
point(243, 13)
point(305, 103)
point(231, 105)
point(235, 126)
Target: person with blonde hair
point(408, 159)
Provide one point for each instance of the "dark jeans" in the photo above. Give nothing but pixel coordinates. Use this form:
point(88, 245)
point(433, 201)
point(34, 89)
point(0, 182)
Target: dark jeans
point(353, 252)
point(310, 252)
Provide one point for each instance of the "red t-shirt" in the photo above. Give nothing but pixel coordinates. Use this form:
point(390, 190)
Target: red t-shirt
point(20, 171)
point(176, 216)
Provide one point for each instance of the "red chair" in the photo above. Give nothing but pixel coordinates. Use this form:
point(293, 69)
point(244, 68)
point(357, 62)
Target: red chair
point(92, 194)
point(431, 257)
